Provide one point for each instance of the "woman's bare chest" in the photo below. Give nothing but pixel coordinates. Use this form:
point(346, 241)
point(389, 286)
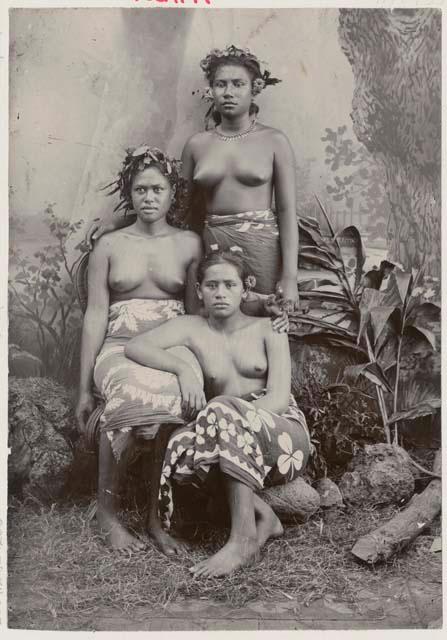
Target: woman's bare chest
point(146, 261)
point(223, 161)
point(225, 357)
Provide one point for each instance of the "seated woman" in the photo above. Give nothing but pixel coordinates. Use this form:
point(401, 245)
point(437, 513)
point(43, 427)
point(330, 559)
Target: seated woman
point(247, 424)
point(138, 278)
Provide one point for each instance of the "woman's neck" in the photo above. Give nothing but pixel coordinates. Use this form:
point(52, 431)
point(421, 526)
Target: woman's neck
point(157, 228)
point(235, 125)
point(228, 324)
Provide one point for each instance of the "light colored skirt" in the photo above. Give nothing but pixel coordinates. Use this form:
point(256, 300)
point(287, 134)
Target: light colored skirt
point(137, 398)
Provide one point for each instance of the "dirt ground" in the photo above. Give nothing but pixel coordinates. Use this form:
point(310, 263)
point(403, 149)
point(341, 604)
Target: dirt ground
point(62, 576)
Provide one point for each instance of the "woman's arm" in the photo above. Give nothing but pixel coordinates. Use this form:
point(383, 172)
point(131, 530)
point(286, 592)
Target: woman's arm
point(94, 327)
point(110, 222)
point(149, 349)
point(279, 373)
point(284, 175)
point(192, 302)
point(194, 200)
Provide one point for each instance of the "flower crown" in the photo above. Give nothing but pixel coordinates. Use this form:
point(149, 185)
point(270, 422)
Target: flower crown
point(139, 159)
point(246, 58)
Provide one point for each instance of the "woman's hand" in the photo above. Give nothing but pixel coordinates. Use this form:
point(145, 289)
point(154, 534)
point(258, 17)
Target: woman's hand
point(287, 293)
point(84, 408)
point(100, 226)
point(280, 319)
point(193, 397)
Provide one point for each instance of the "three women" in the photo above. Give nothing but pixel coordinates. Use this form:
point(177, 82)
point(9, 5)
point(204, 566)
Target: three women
point(143, 271)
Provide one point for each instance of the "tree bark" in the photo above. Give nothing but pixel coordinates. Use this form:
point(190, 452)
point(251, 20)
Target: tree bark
point(394, 535)
point(396, 110)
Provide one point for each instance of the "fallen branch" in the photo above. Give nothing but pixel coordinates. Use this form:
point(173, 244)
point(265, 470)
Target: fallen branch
point(390, 538)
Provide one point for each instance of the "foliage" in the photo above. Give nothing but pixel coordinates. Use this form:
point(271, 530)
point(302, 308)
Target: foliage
point(357, 180)
point(376, 315)
point(43, 298)
point(340, 418)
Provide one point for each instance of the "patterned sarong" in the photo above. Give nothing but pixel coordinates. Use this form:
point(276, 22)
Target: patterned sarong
point(137, 398)
point(255, 446)
point(256, 235)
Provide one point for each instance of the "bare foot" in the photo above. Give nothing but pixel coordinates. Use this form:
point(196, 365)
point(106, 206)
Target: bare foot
point(268, 525)
point(165, 542)
point(116, 535)
point(238, 552)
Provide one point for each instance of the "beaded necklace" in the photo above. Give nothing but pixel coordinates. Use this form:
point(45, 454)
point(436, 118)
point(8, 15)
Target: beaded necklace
point(236, 136)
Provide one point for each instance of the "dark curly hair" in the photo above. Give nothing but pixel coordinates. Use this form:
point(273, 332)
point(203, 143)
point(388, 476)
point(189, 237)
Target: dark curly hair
point(235, 259)
point(143, 157)
point(233, 55)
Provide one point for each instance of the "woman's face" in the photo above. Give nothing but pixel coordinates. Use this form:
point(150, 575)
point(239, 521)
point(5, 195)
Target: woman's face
point(151, 195)
point(221, 290)
point(232, 90)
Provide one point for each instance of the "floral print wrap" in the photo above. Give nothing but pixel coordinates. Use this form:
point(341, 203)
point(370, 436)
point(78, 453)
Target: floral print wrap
point(252, 445)
point(137, 399)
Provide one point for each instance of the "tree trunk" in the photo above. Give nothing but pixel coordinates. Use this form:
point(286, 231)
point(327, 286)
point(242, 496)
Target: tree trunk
point(393, 536)
point(396, 60)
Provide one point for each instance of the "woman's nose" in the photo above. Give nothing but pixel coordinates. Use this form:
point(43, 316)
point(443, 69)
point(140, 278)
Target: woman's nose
point(220, 290)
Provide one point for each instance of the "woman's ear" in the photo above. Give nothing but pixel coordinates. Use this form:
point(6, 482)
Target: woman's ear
point(199, 293)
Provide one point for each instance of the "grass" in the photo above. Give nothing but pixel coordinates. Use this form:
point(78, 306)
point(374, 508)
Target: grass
point(59, 564)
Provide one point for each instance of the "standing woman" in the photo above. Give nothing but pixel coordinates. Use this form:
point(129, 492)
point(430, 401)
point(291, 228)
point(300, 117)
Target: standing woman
point(239, 168)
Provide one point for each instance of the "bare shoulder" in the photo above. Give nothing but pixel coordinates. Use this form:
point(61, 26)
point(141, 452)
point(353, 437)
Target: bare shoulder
point(197, 140)
point(189, 242)
point(272, 337)
point(276, 136)
point(104, 246)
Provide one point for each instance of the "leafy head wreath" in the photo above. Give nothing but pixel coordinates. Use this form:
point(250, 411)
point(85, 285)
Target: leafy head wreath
point(141, 158)
point(235, 55)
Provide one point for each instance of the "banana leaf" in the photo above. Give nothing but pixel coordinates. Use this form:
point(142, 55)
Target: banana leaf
point(372, 371)
point(425, 408)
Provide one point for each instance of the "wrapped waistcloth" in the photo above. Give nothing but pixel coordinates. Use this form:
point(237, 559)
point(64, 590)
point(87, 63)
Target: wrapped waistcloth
point(138, 399)
point(253, 445)
point(256, 235)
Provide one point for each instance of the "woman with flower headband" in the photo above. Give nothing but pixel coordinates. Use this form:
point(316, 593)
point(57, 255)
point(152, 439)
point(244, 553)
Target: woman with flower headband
point(138, 278)
point(247, 427)
point(239, 166)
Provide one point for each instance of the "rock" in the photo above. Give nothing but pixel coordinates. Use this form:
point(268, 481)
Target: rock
point(329, 493)
point(295, 500)
point(42, 433)
point(379, 474)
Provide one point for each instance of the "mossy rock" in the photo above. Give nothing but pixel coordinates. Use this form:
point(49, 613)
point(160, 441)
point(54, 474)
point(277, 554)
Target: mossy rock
point(42, 436)
point(295, 500)
point(379, 474)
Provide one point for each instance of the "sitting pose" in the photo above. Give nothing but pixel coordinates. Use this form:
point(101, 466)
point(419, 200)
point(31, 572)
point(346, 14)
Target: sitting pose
point(247, 426)
point(138, 278)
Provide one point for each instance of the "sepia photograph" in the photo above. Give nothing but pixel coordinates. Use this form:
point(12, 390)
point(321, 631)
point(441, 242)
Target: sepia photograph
point(224, 317)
